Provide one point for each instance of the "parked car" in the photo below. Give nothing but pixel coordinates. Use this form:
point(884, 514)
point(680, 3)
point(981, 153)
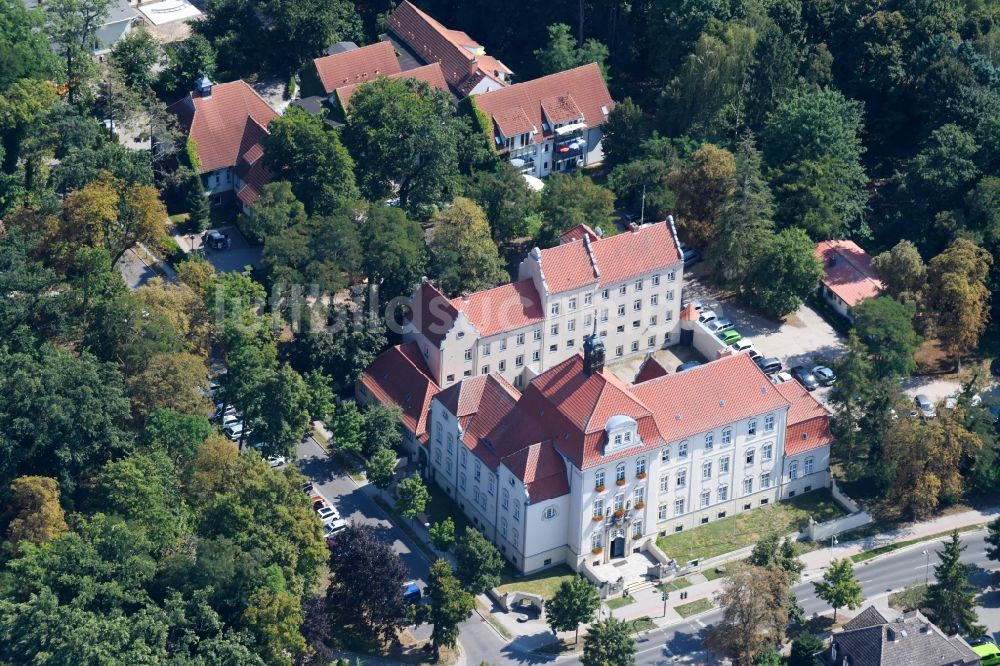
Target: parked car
point(334, 526)
point(925, 406)
point(780, 378)
point(411, 592)
point(234, 430)
point(689, 255)
point(327, 514)
point(216, 240)
point(231, 418)
point(707, 316)
point(307, 487)
point(731, 336)
point(720, 325)
point(276, 461)
point(805, 377)
point(824, 375)
point(741, 346)
point(989, 653)
point(698, 305)
point(769, 365)
point(318, 502)
point(687, 366)
point(754, 354)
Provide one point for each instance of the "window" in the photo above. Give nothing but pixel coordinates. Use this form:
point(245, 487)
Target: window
point(437, 456)
point(595, 540)
point(619, 501)
point(604, 295)
point(536, 334)
point(599, 478)
point(637, 304)
point(451, 443)
point(682, 478)
point(808, 467)
point(670, 296)
point(467, 373)
point(620, 471)
point(669, 316)
point(766, 451)
point(506, 499)
point(475, 494)
point(752, 428)
point(571, 325)
point(461, 481)
point(553, 348)
point(709, 441)
point(448, 465)
point(620, 329)
point(520, 339)
point(604, 314)
point(661, 513)
point(514, 538)
point(654, 300)
point(640, 463)
point(517, 510)
point(723, 493)
point(653, 319)
point(671, 276)
point(664, 483)
point(637, 529)
point(588, 321)
point(450, 378)
point(724, 465)
point(635, 345)
point(598, 508)
point(704, 520)
point(554, 329)
point(706, 498)
point(588, 299)
point(503, 527)
point(706, 471)
point(637, 323)
point(769, 423)
point(638, 285)
point(535, 355)
point(519, 360)
point(639, 497)
point(651, 341)
point(463, 459)
point(678, 507)
point(727, 436)
point(747, 486)
point(486, 349)
point(621, 310)
point(478, 471)
point(618, 440)
point(749, 456)
point(503, 345)
point(619, 350)
point(468, 354)
point(765, 480)
point(621, 290)
point(554, 309)
point(793, 471)
point(550, 513)
point(486, 370)
point(502, 366)
point(493, 484)
point(572, 304)
point(665, 454)
point(682, 449)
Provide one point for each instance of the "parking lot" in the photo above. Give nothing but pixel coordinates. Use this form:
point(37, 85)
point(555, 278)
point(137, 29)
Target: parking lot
point(236, 257)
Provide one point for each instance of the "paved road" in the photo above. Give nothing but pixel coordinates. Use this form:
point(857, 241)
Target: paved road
point(134, 271)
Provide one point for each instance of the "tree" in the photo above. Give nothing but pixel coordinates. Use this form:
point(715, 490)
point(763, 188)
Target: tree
point(23, 106)
point(275, 210)
point(280, 415)
point(478, 563)
point(643, 186)
point(702, 188)
point(506, 199)
point(72, 27)
point(805, 648)
point(176, 434)
point(365, 596)
point(347, 425)
point(274, 615)
point(170, 381)
point(380, 468)
point(323, 251)
point(623, 134)
point(450, 605)
point(958, 295)
point(574, 603)
point(189, 60)
point(321, 399)
point(993, 539)
point(465, 257)
point(754, 614)
point(812, 144)
point(945, 169)
point(196, 200)
point(608, 643)
point(411, 497)
point(395, 255)
point(24, 48)
point(381, 429)
point(839, 586)
point(901, 270)
point(773, 552)
point(134, 57)
point(885, 328)
point(952, 598)
point(344, 350)
point(745, 221)
point(442, 533)
point(568, 201)
point(784, 274)
point(403, 135)
point(301, 147)
point(35, 513)
point(561, 52)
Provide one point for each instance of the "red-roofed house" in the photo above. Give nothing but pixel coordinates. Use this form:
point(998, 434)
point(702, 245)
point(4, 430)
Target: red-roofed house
point(226, 122)
point(626, 286)
point(356, 66)
point(552, 123)
point(848, 275)
point(464, 62)
point(430, 74)
point(582, 468)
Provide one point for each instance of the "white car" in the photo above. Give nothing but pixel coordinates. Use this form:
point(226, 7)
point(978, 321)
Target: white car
point(234, 430)
point(707, 316)
point(781, 378)
point(719, 325)
point(276, 461)
point(742, 346)
point(327, 513)
point(926, 406)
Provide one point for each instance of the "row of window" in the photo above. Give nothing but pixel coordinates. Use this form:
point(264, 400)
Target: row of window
point(726, 440)
point(638, 285)
point(597, 538)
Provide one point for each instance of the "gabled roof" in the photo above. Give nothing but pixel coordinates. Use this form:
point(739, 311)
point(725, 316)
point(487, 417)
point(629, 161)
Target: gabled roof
point(869, 617)
point(460, 56)
point(808, 420)
point(433, 314)
point(480, 403)
point(567, 267)
point(504, 308)
point(356, 66)
point(217, 122)
point(849, 272)
point(250, 167)
point(578, 233)
point(541, 469)
point(399, 376)
point(430, 74)
point(566, 95)
point(908, 640)
point(650, 369)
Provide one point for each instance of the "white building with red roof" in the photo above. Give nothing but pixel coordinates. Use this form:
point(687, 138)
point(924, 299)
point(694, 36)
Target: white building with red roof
point(582, 468)
point(225, 123)
point(552, 123)
point(626, 287)
point(848, 276)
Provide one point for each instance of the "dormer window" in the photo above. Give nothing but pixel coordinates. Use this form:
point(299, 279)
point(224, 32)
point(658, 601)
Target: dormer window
point(622, 433)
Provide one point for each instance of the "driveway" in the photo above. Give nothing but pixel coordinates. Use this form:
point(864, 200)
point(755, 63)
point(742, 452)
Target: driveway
point(238, 256)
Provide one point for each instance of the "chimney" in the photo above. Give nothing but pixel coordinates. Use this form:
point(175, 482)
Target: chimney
point(465, 297)
point(593, 354)
point(204, 85)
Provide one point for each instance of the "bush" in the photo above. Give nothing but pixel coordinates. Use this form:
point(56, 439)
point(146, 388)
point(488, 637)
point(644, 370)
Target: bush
point(174, 253)
point(805, 647)
point(290, 88)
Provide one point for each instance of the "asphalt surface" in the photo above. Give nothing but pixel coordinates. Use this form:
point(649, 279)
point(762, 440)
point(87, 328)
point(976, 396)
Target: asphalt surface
point(679, 643)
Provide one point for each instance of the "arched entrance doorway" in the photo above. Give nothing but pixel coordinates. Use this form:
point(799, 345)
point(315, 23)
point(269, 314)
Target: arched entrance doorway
point(618, 544)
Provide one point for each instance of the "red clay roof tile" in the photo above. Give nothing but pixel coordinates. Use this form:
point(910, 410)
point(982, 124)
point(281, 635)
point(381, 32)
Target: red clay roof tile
point(542, 469)
point(849, 272)
point(430, 74)
point(356, 66)
point(503, 308)
point(399, 376)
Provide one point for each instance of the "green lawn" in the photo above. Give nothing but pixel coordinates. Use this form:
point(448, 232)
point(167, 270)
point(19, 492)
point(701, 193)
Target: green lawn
point(674, 585)
point(888, 548)
point(640, 624)
point(543, 583)
point(618, 602)
point(693, 607)
point(441, 506)
point(713, 573)
point(746, 529)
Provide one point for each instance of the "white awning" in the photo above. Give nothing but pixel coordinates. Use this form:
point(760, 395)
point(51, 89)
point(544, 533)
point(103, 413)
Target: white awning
point(535, 184)
point(569, 129)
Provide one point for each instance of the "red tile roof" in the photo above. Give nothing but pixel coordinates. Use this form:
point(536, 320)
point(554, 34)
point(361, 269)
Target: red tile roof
point(430, 74)
point(356, 66)
point(578, 233)
point(399, 376)
point(567, 95)
point(690, 313)
point(808, 420)
point(433, 314)
point(650, 369)
point(217, 123)
point(566, 267)
point(542, 469)
point(460, 56)
point(504, 308)
point(250, 167)
point(480, 404)
point(849, 272)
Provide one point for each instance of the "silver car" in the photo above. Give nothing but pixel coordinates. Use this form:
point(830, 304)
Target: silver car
point(926, 406)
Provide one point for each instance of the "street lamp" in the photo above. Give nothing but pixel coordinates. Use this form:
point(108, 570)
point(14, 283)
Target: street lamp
point(833, 542)
point(191, 238)
point(927, 562)
point(665, 595)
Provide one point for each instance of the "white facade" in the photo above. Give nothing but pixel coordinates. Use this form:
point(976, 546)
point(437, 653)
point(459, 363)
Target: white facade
point(576, 149)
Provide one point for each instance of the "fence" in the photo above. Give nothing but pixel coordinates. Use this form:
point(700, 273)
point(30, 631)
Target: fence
point(857, 518)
